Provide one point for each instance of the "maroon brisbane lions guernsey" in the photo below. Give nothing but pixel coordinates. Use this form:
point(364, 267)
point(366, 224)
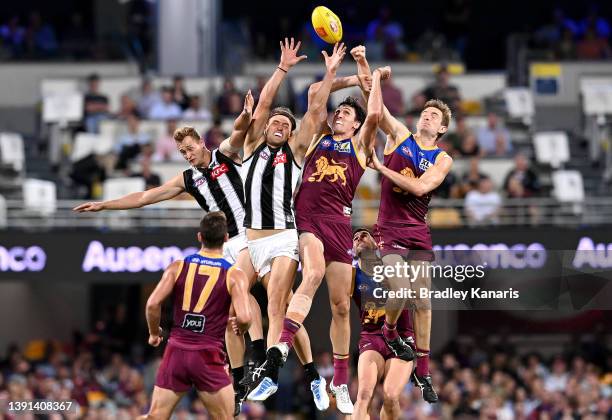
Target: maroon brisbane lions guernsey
point(201, 302)
point(401, 221)
point(396, 205)
point(331, 173)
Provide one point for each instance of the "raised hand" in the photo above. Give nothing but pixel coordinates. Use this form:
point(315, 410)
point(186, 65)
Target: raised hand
point(385, 72)
point(373, 162)
point(87, 207)
point(359, 53)
point(248, 103)
point(332, 62)
point(289, 51)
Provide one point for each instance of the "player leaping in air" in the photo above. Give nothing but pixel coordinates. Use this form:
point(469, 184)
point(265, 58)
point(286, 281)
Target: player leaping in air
point(413, 167)
point(333, 166)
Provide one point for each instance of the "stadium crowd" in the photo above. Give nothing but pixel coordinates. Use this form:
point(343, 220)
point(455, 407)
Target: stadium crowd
point(109, 375)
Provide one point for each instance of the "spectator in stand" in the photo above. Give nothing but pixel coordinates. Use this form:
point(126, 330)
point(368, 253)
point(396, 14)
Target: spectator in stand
point(152, 179)
point(165, 146)
point(469, 146)
point(443, 90)
point(167, 109)
point(494, 139)
point(455, 138)
point(260, 82)
point(96, 105)
point(566, 48)
point(521, 181)
point(483, 205)
point(392, 97)
point(196, 111)
point(179, 94)
point(146, 97)
point(129, 145)
point(226, 102)
point(127, 108)
point(13, 36)
point(594, 20)
point(214, 136)
point(592, 47)
point(41, 38)
point(552, 33)
point(471, 179)
point(392, 33)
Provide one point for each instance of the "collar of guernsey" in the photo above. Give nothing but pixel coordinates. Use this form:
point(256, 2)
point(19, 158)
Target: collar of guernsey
point(326, 142)
point(421, 156)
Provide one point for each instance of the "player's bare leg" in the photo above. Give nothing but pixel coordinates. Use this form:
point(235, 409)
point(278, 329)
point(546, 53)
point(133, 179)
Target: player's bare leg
point(393, 309)
point(338, 277)
point(370, 368)
point(313, 270)
point(163, 403)
point(235, 345)
point(422, 329)
point(397, 373)
point(219, 404)
point(278, 284)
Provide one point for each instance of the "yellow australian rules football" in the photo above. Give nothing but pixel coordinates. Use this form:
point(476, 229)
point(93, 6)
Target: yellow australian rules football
point(326, 24)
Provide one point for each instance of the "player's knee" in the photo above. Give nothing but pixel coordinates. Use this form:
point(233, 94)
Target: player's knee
point(277, 307)
point(341, 307)
point(364, 395)
point(390, 395)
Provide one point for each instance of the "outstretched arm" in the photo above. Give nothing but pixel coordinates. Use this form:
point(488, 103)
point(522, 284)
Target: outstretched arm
point(289, 58)
point(388, 123)
point(367, 136)
point(425, 184)
point(154, 303)
point(136, 200)
point(311, 122)
point(233, 145)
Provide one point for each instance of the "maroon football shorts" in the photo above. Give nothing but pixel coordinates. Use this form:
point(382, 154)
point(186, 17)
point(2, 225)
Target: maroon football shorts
point(181, 369)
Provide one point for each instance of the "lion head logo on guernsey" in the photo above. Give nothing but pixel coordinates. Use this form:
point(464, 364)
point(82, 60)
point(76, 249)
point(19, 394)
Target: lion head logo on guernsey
point(324, 168)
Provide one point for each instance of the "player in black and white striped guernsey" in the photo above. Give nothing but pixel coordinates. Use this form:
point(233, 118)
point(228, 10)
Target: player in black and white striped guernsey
point(271, 176)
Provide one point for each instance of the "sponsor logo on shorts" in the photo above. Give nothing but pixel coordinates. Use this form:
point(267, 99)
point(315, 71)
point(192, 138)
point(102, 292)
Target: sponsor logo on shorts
point(343, 147)
point(280, 158)
point(396, 246)
point(289, 218)
point(194, 322)
point(347, 211)
point(219, 170)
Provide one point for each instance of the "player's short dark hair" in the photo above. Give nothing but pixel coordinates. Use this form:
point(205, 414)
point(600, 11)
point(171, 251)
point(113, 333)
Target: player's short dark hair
point(360, 113)
point(213, 228)
point(285, 112)
point(362, 229)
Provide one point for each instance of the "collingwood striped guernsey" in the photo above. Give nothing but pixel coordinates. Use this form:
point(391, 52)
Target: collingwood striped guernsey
point(219, 188)
point(270, 178)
